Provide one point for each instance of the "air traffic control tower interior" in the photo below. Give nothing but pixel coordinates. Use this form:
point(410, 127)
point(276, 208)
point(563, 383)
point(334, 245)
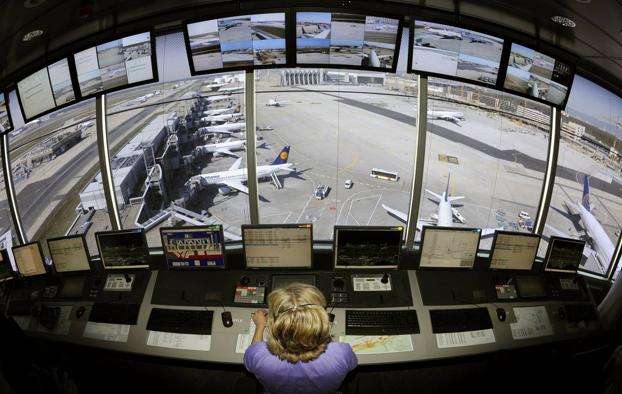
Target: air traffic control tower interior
point(446, 173)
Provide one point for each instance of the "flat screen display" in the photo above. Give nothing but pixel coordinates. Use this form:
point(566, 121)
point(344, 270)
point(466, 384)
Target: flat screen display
point(238, 41)
point(530, 286)
point(537, 75)
point(123, 249)
point(278, 246)
point(367, 247)
point(564, 254)
point(46, 89)
point(456, 52)
point(344, 39)
point(5, 266)
point(114, 64)
point(5, 119)
point(29, 259)
point(193, 247)
point(449, 247)
point(514, 251)
point(69, 254)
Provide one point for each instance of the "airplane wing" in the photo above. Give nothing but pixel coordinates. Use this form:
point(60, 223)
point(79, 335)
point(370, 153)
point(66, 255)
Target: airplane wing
point(434, 194)
point(556, 231)
point(236, 165)
point(236, 185)
point(323, 34)
point(394, 212)
point(224, 151)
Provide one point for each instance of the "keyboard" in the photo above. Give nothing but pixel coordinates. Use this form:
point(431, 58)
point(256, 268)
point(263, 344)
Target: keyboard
point(114, 313)
point(580, 312)
point(19, 307)
point(362, 322)
point(459, 320)
point(181, 321)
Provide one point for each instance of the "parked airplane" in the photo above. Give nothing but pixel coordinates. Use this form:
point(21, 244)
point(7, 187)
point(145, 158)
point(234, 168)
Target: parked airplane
point(213, 99)
point(273, 103)
point(221, 118)
point(224, 128)
point(222, 148)
point(85, 125)
point(231, 90)
point(234, 176)
point(601, 246)
point(450, 116)
point(220, 111)
point(445, 215)
point(443, 33)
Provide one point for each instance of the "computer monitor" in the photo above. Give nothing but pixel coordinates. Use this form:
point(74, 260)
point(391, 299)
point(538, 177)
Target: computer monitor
point(564, 254)
point(123, 249)
point(193, 247)
point(69, 254)
point(449, 247)
point(29, 259)
point(367, 247)
point(5, 266)
point(278, 245)
point(514, 251)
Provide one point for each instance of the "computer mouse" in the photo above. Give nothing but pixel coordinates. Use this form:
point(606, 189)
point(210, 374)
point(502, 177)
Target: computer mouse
point(80, 311)
point(227, 319)
point(501, 314)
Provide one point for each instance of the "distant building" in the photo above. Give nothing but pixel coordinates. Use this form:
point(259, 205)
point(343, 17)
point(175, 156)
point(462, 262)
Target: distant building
point(572, 130)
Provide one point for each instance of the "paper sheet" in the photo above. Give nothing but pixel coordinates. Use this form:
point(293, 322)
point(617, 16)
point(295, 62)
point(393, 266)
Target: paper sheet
point(179, 341)
point(465, 338)
point(22, 321)
point(382, 344)
point(107, 332)
point(531, 322)
point(62, 326)
point(244, 340)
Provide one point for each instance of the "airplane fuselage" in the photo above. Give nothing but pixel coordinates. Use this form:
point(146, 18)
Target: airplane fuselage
point(601, 242)
point(241, 174)
point(445, 215)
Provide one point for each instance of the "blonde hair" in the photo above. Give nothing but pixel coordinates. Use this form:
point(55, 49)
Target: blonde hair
point(298, 325)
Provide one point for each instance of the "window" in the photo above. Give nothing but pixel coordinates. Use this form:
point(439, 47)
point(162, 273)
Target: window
point(340, 125)
point(586, 201)
point(485, 159)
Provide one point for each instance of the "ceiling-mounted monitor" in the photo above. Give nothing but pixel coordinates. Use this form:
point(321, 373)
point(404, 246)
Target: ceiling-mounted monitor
point(351, 40)
point(6, 123)
point(452, 51)
point(116, 64)
point(539, 76)
point(47, 89)
point(236, 42)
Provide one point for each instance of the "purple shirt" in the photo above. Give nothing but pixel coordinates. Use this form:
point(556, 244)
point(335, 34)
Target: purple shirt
point(322, 375)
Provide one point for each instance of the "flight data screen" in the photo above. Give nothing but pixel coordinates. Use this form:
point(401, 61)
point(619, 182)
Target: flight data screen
point(346, 39)
point(69, 254)
point(194, 247)
point(514, 251)
point(449, 247)
point(278, 247)
point(122, 249)
point(5, 120)
point(29, 259)
point(450, 50)
point(114, 64)
point(238, 41)
point(361, 247)
point(564, 254)
point(537, 75)
point(46, 89)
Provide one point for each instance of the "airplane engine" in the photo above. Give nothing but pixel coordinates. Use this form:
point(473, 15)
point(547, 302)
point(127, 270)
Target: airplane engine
point(224, 190)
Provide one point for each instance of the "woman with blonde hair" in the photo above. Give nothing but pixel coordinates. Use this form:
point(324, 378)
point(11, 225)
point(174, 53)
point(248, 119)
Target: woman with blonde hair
point(298, 356)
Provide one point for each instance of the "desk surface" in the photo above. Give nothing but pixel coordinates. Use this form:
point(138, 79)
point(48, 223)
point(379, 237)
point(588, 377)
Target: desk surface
point(222, 342)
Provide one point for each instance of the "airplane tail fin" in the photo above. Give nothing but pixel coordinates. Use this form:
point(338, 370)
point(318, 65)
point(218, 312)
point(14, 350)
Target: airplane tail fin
point(585, 201)
point(282, 157)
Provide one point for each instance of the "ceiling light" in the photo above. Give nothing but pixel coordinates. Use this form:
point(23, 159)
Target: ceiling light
point(562, 20)
point(33, 3)
point(584, 1)
point(32, 35)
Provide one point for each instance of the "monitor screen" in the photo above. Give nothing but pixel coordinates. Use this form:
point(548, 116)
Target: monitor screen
point(114, 64)
point(46, 89)
point(123, 249)
point(514, 251)
point(537, 75)
point(194, 247)
point(530, 286)
point(5, 266)
point(278, 246)
point(343, 39)
point(564, 254)
point(5, 119)
point(367, 247)
point(238, 41)
point(29, 259)
point(72, 286)
point(69, 254)
point(449, 247)
point(455, 52)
